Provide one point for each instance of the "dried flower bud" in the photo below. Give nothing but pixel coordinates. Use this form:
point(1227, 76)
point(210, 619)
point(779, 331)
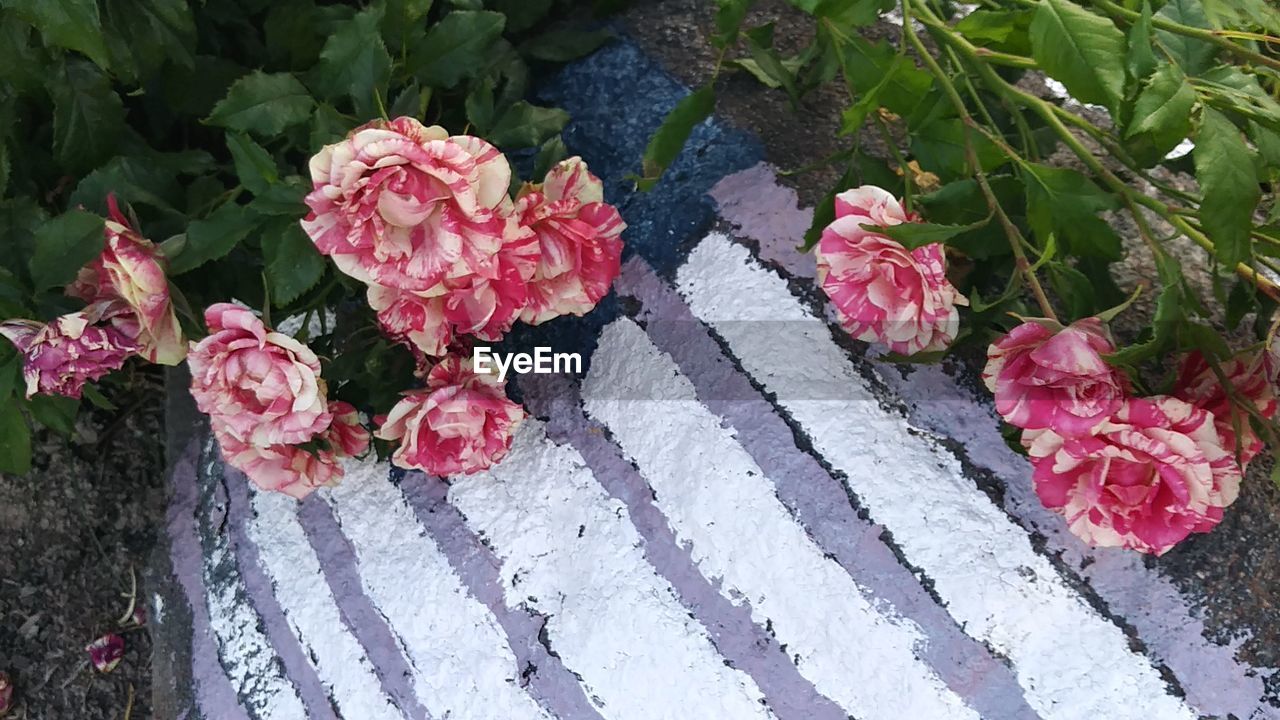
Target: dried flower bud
point(106, 652)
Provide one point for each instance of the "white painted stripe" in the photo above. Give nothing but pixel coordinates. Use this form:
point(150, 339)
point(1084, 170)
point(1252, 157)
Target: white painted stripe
point(308, 604)
point(463, 667)
point(745, 541)
point(1071, 661)
point(570, 552)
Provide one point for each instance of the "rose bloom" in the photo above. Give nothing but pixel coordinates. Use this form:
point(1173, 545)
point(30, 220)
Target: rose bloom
point(297, 471)
point(486, 304)
point(1249, 376)
point(1056, 380)
point(1149, 476)
point(406, 206)
point(58, 358)
point(461, 422)
point(883, 292)
point(412, 319)
point(578, 235)
point(131, 269)
point(262, 387)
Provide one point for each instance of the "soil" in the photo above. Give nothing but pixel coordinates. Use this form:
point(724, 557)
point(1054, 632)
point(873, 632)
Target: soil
point(73, 533)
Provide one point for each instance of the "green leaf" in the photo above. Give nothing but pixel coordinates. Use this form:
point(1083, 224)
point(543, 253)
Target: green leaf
point(789, 65)
point(824, 213)
point(55, 412)
point(760, 44)
point(561, 46)
point(72, 24)
point(263, 103)
point(456, 47)
point(403, 22)
point(283, 198)
point(665, 145)
point(1195, 56)
point(63, 245)
point(1064, 202)
point(1083, 51)
point(1163, 108)
point(10, 371)
point(95, 396)
point(142, 35)
point(1225, 169)
point(525, 125)
point(135, 180)
point(4, 167)
point(479, 107)
point(1073, 288)
point(328, 126)
point(521, 14)
point(1170, 314)
point(254, 165)
point(22, 58)
point(729, 14)
point(293, 263)
point(919, 234)
point(939, 147)
point(551, 152)
point(852, 13)
point(213, 237)
point(354, 62)
point(88, 117)
point(1141, 57)
point(15, 440)
point(863, 62)
point(1005, 30)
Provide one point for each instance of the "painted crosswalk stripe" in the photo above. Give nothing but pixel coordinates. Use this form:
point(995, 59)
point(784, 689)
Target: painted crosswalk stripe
point(300, 587)
point(719, 501)
point(1070, 661)
point(463, 667)
point(571, 553)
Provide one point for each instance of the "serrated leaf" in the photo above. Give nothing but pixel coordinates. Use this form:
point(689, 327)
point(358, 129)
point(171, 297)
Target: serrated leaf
point(63, 245)
point(479, 107)
point(254, 165)
point(4, 166)
point(1064, 202)
point(15, 440)
point(1163, 108)
point(863, 63)
point(729, 14)
point(293, 264)
point(1229, 183)
point(214, 237)
point(767, 61)
point(665, 144)
point(22, 58)
point(1006, 30)
point(135, 180)
point(1194, 55)
point(918, 234)
point(564, 45)
point(790, 65)
point(263, 103)
point(283, 198)
point(142, 35)
point(55, 412)
point(354, 61)
point(1140, 60)
point(1170, 313)
point(88, 116)
point(940, 147)
point(525, 125)
point(72, 24)
point(1083, 51)
point(456, 47)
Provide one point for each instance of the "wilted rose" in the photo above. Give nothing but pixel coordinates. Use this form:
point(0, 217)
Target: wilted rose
point(131, 269)
point(462, 422)
point(297, 470)
point(578, 236)
point(106, 652)
point(406, 206)
point(881, 291)
point(1044, 378)
point(261, 387)
point(59, 357)
point(1250, 378)
point(1149, 476)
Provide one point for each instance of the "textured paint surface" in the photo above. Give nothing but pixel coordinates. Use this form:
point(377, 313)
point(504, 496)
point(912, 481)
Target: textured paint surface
point(982, 566)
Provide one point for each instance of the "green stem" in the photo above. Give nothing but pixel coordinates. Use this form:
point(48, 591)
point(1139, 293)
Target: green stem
point(1211, 36)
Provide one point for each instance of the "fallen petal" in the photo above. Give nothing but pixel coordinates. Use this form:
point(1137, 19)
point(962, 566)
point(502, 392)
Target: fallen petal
point(106, 652)
point(6, 694)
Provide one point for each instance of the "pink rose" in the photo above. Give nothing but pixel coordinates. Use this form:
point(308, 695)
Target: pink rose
point(578, 235)
point(1152, 474)
point(106, 652)
point(883, 292)
point(131, 269)
point(461, 422)
point(406, 206)
point(58, 358)
point(412, 319)
point(1042, 379)
point(486, 304)
point(261, 387)
point(296, 470)
point(1250, 377)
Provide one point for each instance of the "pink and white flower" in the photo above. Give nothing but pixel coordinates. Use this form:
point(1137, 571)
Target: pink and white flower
point(6, 694)
point(578, 235)
point(106, 652)
point(1249, 376)
point(406, 206)
point(131, 269)
point(297, 470)
point(881, 291)
point(59, 357)
point(487, 304)
point(1057, 380)
point(260, 387)
point(1149, 476)
point(412, 319)
point(460, 423)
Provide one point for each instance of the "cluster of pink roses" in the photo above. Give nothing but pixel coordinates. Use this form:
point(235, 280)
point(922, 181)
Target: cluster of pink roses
point(129, 313)
point(1134, 472)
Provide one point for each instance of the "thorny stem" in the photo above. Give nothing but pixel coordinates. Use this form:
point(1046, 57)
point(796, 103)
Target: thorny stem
point(1011, 230)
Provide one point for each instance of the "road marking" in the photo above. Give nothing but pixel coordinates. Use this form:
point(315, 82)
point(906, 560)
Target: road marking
point(571, 553)
point(309, 606)
point(1070, 661)
point(463, 667)
point(720, 502)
